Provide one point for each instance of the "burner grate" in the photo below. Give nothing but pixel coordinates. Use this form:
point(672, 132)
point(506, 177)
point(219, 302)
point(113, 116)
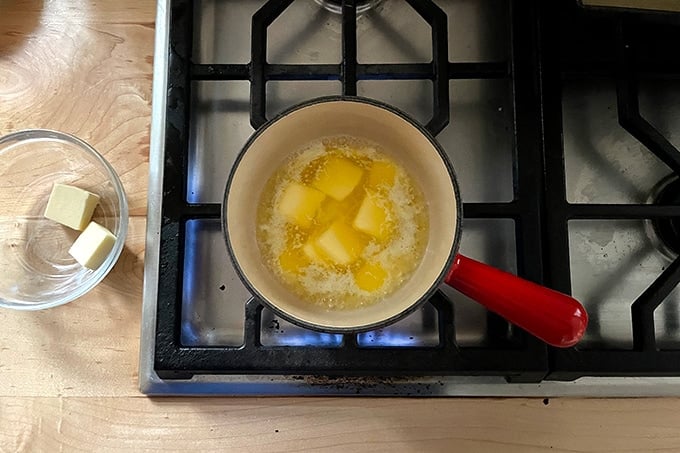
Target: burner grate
point(631, 34)
point(349, 71)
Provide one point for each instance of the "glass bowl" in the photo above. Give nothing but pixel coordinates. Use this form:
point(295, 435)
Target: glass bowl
point(36, 270)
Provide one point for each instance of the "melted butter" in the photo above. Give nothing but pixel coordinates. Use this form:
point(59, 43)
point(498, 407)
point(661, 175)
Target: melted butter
point(327, 260)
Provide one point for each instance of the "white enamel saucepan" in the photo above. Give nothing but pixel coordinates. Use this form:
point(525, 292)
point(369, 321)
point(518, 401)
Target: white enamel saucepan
point(556, 318)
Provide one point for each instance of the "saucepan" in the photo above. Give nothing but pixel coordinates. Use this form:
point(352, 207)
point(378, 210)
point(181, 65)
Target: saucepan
point(555, 318)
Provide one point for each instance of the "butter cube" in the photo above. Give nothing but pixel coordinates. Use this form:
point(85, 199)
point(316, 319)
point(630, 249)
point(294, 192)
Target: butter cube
point(338, 177)
point(309, 249)
point(373, 217)
point(299, 204)
point(370, 277)
point(381, 174)
point(92, 246)
point(340, 243)
point(71, 206)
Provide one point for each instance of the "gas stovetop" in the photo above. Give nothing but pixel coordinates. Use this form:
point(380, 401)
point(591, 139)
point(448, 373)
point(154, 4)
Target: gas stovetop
point(562, 124)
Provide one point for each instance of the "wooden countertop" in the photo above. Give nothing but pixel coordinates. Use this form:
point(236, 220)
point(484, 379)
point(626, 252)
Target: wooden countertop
point(68, 376)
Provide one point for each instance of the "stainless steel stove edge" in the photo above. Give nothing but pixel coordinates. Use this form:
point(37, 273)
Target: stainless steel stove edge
point(154, 195)
point(214, 385)
point(236, 385)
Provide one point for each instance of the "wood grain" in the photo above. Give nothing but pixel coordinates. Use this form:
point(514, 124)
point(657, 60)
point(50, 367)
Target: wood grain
point(68, 376)
point(84, 68)
point(338, 425)
point(88, 347)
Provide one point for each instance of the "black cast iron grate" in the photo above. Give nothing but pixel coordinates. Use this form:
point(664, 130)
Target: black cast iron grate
point(539, 207)
point(628, 48)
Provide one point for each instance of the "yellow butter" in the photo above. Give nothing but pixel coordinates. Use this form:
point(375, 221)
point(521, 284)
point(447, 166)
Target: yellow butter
point(71, 206)
point(381, 175)
point(340, 243)
point(300, 203)
point(370, 277)
point(373, 217)
point(309, 249)
point(292, 261)
point(330, 211)
point(335, 206)
point(337, 177)
point(92, 246)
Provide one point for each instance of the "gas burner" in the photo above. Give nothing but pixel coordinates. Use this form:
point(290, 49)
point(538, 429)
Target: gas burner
point(664, 232)
point(335, 6)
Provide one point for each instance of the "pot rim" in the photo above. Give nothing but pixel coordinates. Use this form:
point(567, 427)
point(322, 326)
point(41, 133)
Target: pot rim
point(418, 302)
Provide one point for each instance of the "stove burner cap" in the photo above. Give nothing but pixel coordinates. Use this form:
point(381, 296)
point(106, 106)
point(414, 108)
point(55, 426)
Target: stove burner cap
point(335, 6)
point(667, 229)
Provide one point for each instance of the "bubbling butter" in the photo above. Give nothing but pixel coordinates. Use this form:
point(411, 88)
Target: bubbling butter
point(342, 224)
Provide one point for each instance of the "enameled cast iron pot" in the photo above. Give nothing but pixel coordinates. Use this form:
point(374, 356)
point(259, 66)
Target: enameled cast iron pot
point(556, 318)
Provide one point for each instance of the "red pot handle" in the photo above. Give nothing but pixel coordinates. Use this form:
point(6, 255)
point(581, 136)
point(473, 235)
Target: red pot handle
point(555, 318)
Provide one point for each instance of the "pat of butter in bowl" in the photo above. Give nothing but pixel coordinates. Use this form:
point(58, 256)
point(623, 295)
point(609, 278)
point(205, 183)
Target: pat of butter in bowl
point(73, 207)
point(92, 246)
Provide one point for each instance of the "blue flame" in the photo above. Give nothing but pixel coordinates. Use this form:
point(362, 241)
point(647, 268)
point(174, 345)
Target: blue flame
point(304, 338)
point(386, 338)
point(188, 335)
